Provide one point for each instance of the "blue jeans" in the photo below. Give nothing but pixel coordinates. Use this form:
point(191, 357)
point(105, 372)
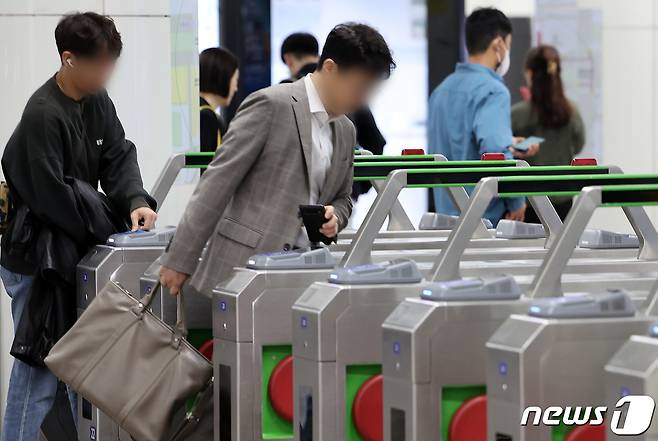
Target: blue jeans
point(31, 389)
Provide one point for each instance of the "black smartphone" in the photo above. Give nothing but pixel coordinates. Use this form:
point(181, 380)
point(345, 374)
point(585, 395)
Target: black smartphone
point(313, 217)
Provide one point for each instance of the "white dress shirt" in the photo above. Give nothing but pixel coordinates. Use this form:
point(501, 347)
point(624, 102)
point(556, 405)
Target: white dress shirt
point(322, 148)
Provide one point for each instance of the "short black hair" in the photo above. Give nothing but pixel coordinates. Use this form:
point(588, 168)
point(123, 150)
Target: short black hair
point(483, 26)
point(216, 68)
point(87, 34)
point(358, 45)
point(300, 44)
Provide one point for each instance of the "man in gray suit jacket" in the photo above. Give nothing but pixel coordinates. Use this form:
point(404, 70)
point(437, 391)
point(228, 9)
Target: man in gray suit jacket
point(289, 144)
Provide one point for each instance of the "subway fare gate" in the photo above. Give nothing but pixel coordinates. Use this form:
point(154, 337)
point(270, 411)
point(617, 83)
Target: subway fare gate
point(432, 390)
point(270, 285)
point(123, 259)
point(556, 353)
point(336, 341)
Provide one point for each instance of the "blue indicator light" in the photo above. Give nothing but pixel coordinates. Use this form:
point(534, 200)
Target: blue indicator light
point(625, 391)
point(535, 309)
point(85, 277)
point(148, 289)
point(366, 267)
point(333, 276)
point(654, 330)
point(427, 292)
point(502, 368)
point(222, 305)
point(278, 253)
point(304, 322)
point(92, 433)
point(396, 347)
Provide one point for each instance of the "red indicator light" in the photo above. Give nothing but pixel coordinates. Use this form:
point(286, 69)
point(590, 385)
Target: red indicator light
point(584, 161)
point(493, 157)
point(406, 152)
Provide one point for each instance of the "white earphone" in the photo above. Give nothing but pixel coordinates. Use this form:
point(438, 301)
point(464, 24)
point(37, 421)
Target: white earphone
point(68, 61)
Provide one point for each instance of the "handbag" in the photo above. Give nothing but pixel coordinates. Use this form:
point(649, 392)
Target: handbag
point(129, 363)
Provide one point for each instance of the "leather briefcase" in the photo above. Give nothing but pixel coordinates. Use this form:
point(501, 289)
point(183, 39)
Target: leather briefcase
point(130, 364)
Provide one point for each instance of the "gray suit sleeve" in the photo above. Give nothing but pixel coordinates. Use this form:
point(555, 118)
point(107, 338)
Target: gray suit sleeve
point(343, 201)
point(240, 148)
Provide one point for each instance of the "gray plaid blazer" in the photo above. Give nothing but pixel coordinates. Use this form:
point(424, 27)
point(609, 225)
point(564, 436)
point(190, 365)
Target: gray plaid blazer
point(247, 200)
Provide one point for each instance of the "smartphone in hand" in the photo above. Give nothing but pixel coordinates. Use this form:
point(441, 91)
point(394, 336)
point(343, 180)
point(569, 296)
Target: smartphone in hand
point(524, 145)
point(313, 217)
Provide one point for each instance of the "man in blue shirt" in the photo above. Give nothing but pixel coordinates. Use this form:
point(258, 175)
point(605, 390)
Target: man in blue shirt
point(469, 112)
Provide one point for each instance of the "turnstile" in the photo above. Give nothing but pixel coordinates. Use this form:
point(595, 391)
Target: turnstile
point(173, 166)
point(633, 370)
point(420, 383)
point(198, 306)
point(434, 355)
point(125, 257)
point(377, 168)
point(553, 356)
point(337, 339)
point(252, 327)
point(556, 354)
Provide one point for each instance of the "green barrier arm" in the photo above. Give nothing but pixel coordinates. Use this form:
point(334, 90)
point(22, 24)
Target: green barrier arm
point(629, 195)
point(398, 220)
point(427, 178)
point(173, 166)
point(397, 158)
point(359, 252)
point(447, 264)
point(198, 159)
point(379, 171)
point(201, 160)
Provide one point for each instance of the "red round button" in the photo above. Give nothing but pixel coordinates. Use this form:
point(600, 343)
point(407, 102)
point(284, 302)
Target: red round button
point(587, 433)
point(206, 349)
point(280, 388)
point(469, 422)
point(368, 409)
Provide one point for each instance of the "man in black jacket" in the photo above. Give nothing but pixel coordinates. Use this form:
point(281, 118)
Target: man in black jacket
point(300, 53)
point(69, 129)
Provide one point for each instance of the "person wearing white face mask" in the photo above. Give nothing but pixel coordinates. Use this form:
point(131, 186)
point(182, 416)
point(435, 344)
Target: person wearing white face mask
point(469, 112)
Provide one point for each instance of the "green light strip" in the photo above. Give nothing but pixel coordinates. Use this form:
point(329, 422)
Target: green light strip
point(211, 154)
point(392, 157)
point(581, 177)
point(437, 164)
point(520, 170)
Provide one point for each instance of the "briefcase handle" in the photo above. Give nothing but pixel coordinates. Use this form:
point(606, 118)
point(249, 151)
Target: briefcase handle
point(180, 328)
